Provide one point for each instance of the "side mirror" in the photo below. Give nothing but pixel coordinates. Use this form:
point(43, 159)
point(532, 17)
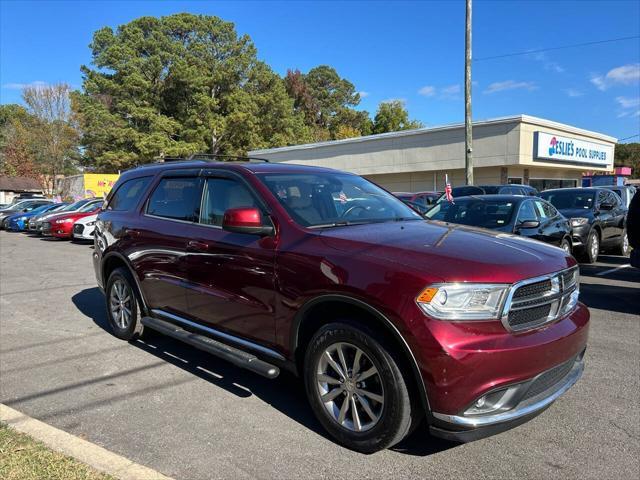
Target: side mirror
point(245, 220)
point(528, 224)
point(606, 206)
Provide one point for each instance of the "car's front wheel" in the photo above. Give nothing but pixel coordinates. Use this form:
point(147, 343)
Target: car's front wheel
point(592, 249)
point(566, 245)
point(356, 389)
point(122, 305)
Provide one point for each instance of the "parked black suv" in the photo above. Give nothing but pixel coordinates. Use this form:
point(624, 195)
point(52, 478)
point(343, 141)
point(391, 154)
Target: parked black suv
point(597, 217)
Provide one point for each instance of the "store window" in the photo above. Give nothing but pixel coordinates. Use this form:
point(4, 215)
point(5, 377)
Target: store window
point(514, 181)
point(541, 184)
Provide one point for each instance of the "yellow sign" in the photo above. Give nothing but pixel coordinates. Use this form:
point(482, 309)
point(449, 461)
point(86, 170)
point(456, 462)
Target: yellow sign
point(99, 184)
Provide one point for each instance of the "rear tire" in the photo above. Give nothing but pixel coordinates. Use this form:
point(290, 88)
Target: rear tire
point(592, 248)
point(122, 302)
point(623, 248)
point(372, 386)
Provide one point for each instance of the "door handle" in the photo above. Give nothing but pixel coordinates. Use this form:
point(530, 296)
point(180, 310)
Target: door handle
point(198, 246)
point(131, 233)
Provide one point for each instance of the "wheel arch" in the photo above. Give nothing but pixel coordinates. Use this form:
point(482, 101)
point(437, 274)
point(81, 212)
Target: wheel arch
point(113, 260)
point(311, 317)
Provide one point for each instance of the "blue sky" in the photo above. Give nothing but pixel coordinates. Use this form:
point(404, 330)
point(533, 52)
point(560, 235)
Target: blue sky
point(389, 50)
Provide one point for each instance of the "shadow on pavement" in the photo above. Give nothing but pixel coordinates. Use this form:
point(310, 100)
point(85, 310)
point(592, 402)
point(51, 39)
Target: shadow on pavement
point(610, 297)
point(285, 393)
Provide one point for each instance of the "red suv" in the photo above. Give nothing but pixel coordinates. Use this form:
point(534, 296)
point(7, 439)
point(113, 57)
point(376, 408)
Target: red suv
point(389, 318)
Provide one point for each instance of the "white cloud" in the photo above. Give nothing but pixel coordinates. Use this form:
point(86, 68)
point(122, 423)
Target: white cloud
point(451, 90)
point(363, 94)
point(572, 92)
point(548, 64)
point(623, 75)
point(427, 91)
point(20, 86)
point(629, 106)
point(510, 85)
point(448, 92)
point(626, 102)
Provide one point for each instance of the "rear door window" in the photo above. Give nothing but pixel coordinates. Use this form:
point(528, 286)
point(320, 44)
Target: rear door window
point(175, 198)
point(128, 194)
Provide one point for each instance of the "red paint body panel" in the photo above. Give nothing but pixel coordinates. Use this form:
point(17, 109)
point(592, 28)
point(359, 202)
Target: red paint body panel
point(254, 287)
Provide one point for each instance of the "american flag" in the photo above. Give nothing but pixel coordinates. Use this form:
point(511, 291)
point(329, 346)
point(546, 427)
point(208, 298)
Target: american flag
point(343, 197)
point(447, 189)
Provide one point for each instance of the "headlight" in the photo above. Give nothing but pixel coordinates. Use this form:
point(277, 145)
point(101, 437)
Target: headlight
point(91, 224)
point(576, 222)
point(65, 220)
point(463, 301)
point(22, 219)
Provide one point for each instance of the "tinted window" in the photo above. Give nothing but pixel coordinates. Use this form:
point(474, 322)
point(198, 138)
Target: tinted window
point(564, 200)
point(602, 197)
point(327, 199)
point(527, 212)
point(614, 199)
point(479, 213)
point(221, 194)
point(175, 198)
point(89, 207)
point(128, 194)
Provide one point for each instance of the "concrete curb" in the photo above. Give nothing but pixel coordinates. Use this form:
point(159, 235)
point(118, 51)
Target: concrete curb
point(96, 457)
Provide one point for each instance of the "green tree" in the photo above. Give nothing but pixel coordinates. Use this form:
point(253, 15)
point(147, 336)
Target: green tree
point(392, 116)
point(178, 85)
point(628, 154)
point(326, 102)
point(16, 155)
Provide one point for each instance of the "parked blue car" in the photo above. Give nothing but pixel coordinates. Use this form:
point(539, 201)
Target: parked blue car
point(18, 221)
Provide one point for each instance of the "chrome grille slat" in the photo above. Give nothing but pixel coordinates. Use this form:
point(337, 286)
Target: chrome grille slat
point(538, 301)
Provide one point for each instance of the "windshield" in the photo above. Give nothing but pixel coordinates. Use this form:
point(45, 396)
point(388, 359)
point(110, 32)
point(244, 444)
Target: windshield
point(475, 212)
point(570, 200)
point(89, 207)
point(333, 199)
point(73, 206)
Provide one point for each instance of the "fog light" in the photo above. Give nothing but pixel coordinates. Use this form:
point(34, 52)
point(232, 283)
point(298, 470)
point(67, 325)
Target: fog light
point(499, 400)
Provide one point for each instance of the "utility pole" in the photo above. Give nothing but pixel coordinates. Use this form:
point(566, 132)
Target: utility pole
point(468, 137)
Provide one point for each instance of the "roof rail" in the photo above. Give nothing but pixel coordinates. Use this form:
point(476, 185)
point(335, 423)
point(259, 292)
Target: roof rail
point(225, 158)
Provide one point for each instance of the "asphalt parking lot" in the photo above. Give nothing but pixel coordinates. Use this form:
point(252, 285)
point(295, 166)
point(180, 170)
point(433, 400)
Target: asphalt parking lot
point(192, 416)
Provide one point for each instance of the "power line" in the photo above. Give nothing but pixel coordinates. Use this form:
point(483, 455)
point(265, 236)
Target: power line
point(627, 138)
point(528, 52)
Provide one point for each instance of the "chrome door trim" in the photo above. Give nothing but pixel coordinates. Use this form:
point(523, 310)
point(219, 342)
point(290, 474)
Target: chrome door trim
point(225, 336)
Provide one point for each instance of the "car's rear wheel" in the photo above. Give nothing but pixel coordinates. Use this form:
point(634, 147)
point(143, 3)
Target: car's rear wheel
point(122, 305)
point(623, 247)
point(592, 248)
point(356, 389)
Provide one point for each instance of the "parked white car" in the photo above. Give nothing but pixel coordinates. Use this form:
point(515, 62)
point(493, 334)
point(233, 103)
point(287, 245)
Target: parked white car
point(83, 228)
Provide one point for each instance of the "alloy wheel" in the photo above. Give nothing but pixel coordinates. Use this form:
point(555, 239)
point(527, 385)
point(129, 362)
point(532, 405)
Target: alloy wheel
point(350, 387)
point(625, 243)
point(594, 247)
point(120, 304)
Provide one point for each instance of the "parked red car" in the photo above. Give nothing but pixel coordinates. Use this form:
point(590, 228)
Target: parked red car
point(388, 317)
point(61, 226)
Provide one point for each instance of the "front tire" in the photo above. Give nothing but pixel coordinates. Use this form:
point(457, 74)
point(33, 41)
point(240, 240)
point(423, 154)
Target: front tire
point(356, 389)
point(566, 245)
point(592, 249)
point(123, 309)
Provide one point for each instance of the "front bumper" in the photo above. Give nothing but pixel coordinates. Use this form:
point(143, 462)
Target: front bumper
point(579, 236)
point(465, 428)
point(61, 230)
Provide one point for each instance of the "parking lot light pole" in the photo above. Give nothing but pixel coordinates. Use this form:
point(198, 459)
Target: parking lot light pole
point(468, 137)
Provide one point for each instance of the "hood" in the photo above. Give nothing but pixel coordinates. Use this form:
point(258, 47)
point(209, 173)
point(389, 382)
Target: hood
point(88, 218)
point(576, 212)
point(454, 253)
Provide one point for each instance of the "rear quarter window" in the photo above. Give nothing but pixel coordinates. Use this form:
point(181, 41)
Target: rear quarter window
point(128, 194)
point(175, 198)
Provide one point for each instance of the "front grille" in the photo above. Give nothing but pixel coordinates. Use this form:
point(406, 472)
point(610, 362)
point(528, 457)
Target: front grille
point(539, 301)
point(538, 288)
point(78, 229)
point(528, 315)
point(46, 226)
point(549, 378)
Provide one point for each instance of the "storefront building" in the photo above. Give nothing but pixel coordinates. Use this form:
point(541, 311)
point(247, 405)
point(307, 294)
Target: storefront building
point(519, 149)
